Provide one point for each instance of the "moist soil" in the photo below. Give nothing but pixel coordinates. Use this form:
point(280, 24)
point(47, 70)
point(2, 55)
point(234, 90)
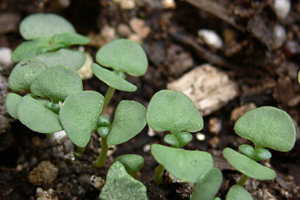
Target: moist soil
point(265, 69)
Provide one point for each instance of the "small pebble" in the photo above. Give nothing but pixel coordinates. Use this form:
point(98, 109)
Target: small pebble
point(123, 30)
point(45, 194)
point(151, 132)
point(44, 173)
point(85, 72)
point(214, 125)
point(59, 135)
point(211, 38)
point(127, 4)
point(97, 182)
point(147, 148)
point(282, 8)
point(200, 136)
point(139, 26)
point(135, 37)
point(108, 33)
point(168, 4)
point(5, 56)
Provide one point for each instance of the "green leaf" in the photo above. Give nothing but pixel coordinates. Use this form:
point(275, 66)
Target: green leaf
point(247, 150)
point(12, 102)
point(120, 185)
point(130, 119)
point(68, 39)
point(183, 164)
point(299, 77)
point(112, 79)
point(267, 127)
point(172, 140)
point(184, 138)
point(65, 57)
point(30, 49)
point(44, 25)
point(262, 154)
point(248, 166)
point(36, 117)
point(208, 185)
point(132, 162)
point(24, 73)
point(57, 83)
point(237, 192)
point(171, 110)
point(103, 131)
point(78, 115)
point(103, 121)
point(123, 55)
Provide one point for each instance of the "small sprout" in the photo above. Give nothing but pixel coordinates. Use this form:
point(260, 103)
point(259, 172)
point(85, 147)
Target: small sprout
point(24, 73)
point(103, 121)
point(237, 192)
point(172, 140)
point(184, 138)
point(55, 107)
point(120, 185)
point(208, 185)
point(247, 150)
point(79, 114)
point(48, 105)
point(130, 119)
point(132, 162)
point(182, 164)
point(262, 154)
point(57, 83)
point(103, 131)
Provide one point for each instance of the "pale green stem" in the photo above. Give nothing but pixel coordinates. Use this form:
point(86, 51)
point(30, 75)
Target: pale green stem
point(158, 174)
point(108, 97)
point(243, 180)
point(102, 157)
point(80, 149)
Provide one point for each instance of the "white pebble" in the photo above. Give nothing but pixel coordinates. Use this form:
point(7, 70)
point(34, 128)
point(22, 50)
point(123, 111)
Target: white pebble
point(279, 34)
point(5, 56)
point(85, 71)
point(168, 4)
point(147, 148)
point(282, 8)
point(200, 136)
point(211, 38)
point(59, 135)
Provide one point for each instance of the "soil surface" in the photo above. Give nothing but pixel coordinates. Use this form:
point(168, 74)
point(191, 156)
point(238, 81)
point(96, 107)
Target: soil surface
point(264, 67)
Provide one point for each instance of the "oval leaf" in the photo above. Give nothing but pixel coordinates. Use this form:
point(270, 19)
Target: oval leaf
point(24, 73)
point(182, 164)
point(120, 185)
point(131, 162)
point(67, 39)
point(247, 150)
point(237, 192)
point(36, 117)
point(112, 79)
point(65, 57)
point(208, 185)
point(12, 102)
point(171, 110)
point(130, 119)
point(184, 138)
point(248, 166)
point(79, 114)
point(123, 55)
point(44, 25)
point(57, 83)
point(171, 140)
point(267, 127)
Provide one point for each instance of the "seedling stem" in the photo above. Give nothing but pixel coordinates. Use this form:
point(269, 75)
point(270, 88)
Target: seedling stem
point(158, 174)
point(102, 157)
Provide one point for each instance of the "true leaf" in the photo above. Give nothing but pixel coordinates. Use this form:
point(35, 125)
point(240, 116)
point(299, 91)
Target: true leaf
point(130, 119)
point(131, 162)
point(36, 117)
point(267, 127)
point(44, 25)
point(12, 102)
point(65, 57)
point(262, 154)
point(120, 185)
point(67, 39)
point(78, 115)
point(183, 164)
point(24, 73)
point(123, 55)
point(248, 166)
point(247, 150)
point(171, 110)
point(57, 83)
point(172, 140)
point(237, 192)
point(208, 185)
point(184, 138)
point(30, 49)
point(112, 79)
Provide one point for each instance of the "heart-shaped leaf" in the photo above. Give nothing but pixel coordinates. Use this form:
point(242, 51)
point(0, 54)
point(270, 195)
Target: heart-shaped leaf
point(172, 140)
point(130, 119)
point(171, 110)
point(123, 55)
point(44, 25)
point(208, 185)
point(65, 57)
point(30, 49)
point(112, 79)
point(79, 114)
point(36, 117)
point(237, 192)
point(12, 103)
point(183, 164)
point(24, 73)
point(132, 162)
point(57, 83)
point(267, 127)
point(120, 185)
point(68, 39)
point(184, 138)
point(248, 166)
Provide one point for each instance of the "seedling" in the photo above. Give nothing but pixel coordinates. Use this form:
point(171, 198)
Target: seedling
point(266, 127)
point(47, 33)
point(133, 163)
